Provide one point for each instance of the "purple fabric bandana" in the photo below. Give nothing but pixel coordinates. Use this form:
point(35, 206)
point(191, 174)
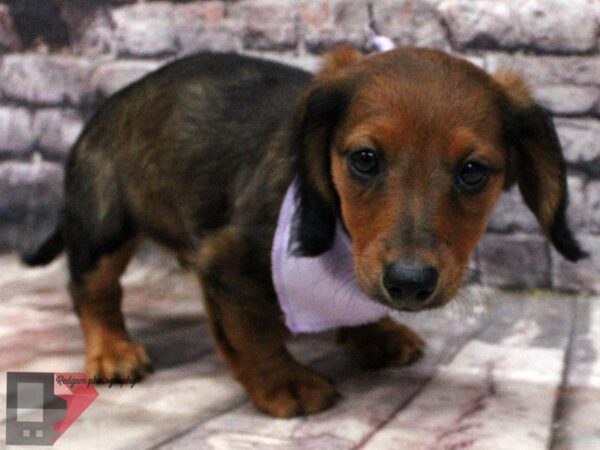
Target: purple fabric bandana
point(318, 293)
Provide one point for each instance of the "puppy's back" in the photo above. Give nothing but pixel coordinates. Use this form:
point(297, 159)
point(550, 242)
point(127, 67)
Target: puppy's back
point(177, 145)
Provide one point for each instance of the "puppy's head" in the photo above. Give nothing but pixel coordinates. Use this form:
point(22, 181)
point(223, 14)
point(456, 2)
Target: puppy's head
point(410, 149)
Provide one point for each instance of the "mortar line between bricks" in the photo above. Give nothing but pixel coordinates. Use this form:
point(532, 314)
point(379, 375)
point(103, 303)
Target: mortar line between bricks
point(450, 38)
point(25, 156)
point(589, 169)
point(529, 50)
point(484, 326)
point(588, 114)
point(560, 403)
point(91, 101)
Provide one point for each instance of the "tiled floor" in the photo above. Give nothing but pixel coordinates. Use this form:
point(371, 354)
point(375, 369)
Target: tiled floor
point(501, 371)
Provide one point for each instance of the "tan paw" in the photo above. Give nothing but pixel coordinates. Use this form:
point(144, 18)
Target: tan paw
point(293, 393)
point(118, 360)
point(382, 343)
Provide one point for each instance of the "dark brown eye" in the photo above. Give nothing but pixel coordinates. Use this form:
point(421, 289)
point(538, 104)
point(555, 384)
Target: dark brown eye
point(472, 177)
point(363, 162)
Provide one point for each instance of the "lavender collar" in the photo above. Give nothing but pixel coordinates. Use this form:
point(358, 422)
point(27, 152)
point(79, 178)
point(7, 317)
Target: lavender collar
point(318, 293)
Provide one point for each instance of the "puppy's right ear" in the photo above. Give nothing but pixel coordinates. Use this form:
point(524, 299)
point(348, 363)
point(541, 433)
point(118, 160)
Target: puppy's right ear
point(317, 115)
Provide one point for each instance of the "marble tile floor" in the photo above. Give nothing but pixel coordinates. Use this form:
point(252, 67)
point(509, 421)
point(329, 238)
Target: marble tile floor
point(502, 370)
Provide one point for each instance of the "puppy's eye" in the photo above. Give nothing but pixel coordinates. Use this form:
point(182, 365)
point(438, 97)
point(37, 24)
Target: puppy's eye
point(472, 177)
point(363, 162)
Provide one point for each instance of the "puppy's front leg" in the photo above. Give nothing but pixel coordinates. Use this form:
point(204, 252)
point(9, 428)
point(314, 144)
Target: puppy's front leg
point(245, 320)
point(379, 344)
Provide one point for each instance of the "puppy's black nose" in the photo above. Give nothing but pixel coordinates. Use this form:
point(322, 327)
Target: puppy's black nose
point(410, 283)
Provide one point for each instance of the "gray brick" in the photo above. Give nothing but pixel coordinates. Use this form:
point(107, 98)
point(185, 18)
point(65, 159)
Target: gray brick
point(426, 27)
point(314, 16)
point(145, 29)
point(480, 23)
point(345, 21)
point(203, 26)
point(15, 130)
point(409, 22)
point(548, 69)
point(579, 207)
point(188, 20)
point(579, 138)
point(21, 182)
point(92, 31)
point(159, 28)
point(266, 25)
point(57, 129)
point(556, 25)
point(580, 276)
point(511, 214)
point(46, 79)
point(114, 75)
point(564, 99)
point(222, 37)
point(548, 25)
point(589, 211)
point(30, 195)
point(516, 260)
point(9, 39)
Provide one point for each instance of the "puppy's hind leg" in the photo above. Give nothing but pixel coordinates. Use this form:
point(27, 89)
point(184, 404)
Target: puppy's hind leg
point(96, 292)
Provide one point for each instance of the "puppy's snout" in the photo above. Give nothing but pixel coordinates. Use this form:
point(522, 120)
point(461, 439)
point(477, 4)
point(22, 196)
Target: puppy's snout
point(410, 283)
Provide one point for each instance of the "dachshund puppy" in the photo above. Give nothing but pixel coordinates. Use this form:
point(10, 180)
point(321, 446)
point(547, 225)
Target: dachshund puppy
point(397, 157)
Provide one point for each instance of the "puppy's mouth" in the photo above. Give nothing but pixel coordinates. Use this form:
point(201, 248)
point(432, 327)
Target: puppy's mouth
point(379, 295)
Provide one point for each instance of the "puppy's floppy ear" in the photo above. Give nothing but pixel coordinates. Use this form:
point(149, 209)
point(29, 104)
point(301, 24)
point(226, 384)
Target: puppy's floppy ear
point(315, 120)
point(537, 163)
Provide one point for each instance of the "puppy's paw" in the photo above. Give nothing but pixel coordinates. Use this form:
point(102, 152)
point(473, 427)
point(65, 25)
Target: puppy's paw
point(293, 392)
point(379, 344)
point(118, 360)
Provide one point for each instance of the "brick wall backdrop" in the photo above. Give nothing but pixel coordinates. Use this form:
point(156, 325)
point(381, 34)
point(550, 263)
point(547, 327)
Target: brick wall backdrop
point(59, 58)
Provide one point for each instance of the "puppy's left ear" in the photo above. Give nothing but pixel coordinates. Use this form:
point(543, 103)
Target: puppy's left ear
point(315, 120)
point(537, 163)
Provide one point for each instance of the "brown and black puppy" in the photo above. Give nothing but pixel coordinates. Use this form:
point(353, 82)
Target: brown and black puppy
point(409, 149)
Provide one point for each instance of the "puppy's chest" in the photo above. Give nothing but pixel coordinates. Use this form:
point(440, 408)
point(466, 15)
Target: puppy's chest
point(317, 293)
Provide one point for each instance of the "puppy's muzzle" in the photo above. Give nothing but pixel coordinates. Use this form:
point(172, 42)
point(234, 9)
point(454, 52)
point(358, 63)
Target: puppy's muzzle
point(410, 284)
